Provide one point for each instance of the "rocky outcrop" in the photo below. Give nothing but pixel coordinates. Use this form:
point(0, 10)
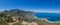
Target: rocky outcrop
point(27, 23)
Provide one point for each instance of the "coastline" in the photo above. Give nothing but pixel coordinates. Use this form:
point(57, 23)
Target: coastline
point(47, 20)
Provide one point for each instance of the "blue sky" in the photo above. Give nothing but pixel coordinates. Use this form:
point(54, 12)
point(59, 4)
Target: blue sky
point(52, 6)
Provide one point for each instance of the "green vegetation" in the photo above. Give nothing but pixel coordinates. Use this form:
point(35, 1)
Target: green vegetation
point(29, 20)
point(2, 22)
point(21, 16)
point(9, 18)
point(17, 24)
point(6, 16)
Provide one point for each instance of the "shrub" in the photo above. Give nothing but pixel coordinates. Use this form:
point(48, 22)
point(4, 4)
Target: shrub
point(2, 22)
point(17, 24)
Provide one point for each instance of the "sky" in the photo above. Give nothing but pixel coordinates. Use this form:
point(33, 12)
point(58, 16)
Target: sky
point(51, 6)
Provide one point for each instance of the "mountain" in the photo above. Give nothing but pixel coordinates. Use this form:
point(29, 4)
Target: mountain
point(21, 13)
point(20, 17)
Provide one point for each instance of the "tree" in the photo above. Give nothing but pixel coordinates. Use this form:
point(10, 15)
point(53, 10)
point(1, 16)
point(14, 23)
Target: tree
point(9, 19)
point(2, 14)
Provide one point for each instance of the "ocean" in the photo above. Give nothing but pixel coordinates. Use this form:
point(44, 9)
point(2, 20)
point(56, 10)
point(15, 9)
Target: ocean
point(50, 16)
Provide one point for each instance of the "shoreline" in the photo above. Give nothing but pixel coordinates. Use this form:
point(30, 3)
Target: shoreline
point(47, 20)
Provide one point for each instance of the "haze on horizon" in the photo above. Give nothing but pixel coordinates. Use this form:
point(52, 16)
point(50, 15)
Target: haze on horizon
point(51, 6)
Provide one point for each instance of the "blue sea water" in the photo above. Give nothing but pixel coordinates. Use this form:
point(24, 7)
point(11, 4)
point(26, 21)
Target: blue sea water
point(49, 16)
